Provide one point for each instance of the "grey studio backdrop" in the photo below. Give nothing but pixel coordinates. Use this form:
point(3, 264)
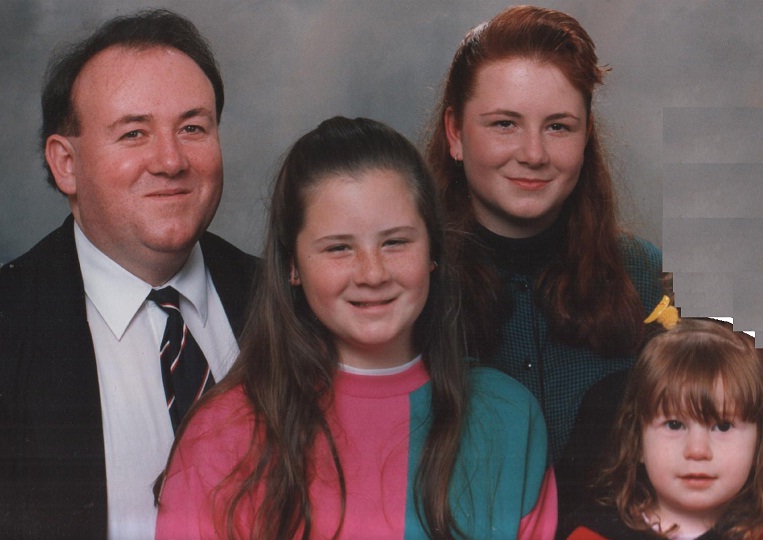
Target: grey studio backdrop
point(289, 64)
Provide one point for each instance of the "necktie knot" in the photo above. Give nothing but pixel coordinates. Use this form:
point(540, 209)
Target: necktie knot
point(167, 298)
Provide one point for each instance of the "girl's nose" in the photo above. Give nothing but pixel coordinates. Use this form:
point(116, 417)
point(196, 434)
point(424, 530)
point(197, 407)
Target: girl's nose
point(371, 269)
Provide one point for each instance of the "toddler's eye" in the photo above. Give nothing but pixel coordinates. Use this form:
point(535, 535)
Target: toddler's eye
point(674, 425)
point(724, 426)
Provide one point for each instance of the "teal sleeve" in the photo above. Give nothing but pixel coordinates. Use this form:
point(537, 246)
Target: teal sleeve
point(501, 463)
point(508, 430)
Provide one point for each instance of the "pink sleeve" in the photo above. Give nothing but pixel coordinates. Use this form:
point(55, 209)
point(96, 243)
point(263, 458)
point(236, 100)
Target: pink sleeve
point(540, 523)
point(185, 502)
point(191, 502)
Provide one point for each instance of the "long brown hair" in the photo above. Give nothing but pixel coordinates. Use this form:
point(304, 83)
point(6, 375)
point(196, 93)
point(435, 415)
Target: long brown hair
point(288, 358)
point(678, 372)
point(587, 296)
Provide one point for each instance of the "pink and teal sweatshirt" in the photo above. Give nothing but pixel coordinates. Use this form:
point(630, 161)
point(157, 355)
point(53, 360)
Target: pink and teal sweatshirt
point(501, 488)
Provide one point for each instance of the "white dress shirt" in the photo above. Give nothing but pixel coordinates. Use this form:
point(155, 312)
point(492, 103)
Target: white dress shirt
point(127, 331)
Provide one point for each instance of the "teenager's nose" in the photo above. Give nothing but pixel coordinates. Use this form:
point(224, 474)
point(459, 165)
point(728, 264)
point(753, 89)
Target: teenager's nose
point(532, 151)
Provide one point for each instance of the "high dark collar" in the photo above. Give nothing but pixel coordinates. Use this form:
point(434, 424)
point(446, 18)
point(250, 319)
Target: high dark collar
point(524, 255)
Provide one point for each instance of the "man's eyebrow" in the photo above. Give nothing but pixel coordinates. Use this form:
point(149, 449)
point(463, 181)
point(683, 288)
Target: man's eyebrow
point(562, 116)
point(130, 119)
point(199, 111)
point(143, 118)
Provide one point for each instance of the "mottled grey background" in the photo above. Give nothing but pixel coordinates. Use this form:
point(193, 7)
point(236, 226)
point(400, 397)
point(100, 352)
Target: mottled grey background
point(713, 212)
point(288, 64)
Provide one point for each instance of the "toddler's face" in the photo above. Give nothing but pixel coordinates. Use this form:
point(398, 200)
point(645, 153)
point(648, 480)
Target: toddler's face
point(696, 469)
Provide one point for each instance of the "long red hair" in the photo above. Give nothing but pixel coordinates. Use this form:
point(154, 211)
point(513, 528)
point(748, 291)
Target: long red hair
point(587, 295)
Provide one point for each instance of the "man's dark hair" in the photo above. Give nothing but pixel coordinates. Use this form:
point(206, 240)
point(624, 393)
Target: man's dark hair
point(145, 29)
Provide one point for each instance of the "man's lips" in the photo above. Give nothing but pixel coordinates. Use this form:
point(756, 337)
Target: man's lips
point(171, 192)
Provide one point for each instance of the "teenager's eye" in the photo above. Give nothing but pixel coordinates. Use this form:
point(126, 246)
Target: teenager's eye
point(504, 123)
point(559, 127)
point(724, 426)
point(674, 425)
point(337, 248)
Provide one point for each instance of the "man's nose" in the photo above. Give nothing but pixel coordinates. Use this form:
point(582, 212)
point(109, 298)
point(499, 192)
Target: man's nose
point(169, 155)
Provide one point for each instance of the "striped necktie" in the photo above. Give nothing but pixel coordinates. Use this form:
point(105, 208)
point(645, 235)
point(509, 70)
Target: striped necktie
point(185, 371)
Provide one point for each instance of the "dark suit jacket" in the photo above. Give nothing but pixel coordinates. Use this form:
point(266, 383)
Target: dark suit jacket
point(52, 464)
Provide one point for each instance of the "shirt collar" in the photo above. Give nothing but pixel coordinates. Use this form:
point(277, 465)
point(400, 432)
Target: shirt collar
point(118, 295)
point(380, 371)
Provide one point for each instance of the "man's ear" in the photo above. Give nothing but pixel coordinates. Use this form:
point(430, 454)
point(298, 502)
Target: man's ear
point(453, 132)
point(60, 153)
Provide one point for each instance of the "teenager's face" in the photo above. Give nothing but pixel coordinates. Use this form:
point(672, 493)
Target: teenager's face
point(362, 259)
point(696, 469)
point(521, 138)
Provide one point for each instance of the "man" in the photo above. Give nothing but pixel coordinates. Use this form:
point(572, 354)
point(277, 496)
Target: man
point(130, 136)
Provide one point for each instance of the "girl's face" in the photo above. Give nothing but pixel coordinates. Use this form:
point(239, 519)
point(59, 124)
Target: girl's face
point(521, 139)
point(362, 259)
point(696, 469)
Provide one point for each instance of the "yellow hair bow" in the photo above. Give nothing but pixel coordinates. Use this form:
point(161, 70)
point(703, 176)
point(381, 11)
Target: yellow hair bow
point(664, 313)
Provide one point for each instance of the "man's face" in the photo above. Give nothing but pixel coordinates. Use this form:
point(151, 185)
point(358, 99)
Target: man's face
point(146, 169)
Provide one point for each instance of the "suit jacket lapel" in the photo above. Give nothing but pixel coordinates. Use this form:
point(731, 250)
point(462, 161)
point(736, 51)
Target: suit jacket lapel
point(233, 273)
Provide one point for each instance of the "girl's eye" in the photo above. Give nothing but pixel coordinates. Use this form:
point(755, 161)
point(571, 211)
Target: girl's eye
point(724, 426)
point(558, 127)
point(674, 425)
point(338, 248)
point(503, 123)
point(395, 242)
